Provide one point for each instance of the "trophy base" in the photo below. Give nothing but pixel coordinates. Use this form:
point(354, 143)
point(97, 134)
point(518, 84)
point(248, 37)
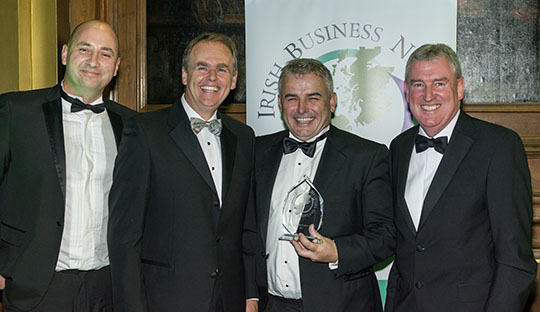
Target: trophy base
point(290, 237)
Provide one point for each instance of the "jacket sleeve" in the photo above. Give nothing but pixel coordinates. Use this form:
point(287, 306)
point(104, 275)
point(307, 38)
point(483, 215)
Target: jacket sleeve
point(127, 203)
point(509, 200)
point(376, 241)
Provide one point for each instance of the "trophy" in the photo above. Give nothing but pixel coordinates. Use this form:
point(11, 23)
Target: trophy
point(303, 206)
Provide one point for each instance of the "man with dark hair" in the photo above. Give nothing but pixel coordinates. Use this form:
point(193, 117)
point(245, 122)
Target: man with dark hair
point(332, 270)
point(462, 204)
point(180, 224)
point(57, 150)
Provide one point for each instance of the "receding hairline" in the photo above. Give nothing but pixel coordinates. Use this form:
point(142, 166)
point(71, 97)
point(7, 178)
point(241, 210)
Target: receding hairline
point(96, 24)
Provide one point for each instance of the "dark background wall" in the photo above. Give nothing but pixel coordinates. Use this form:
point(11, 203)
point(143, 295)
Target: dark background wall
point(498, 43)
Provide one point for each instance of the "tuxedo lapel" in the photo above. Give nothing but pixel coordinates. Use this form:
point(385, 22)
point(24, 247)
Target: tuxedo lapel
point(332, 159)
point(270, 160)
point(228, 157)
point(187, 142)
point(458, 147)
point(116, 122)
point(403, 161)
point(52, 112)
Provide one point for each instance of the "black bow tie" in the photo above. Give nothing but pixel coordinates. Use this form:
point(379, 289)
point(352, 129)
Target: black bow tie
point(77, 105)
point(422, 143)
point(291, 145)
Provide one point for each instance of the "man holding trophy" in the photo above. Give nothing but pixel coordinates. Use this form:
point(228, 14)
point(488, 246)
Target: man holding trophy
point(324, 203)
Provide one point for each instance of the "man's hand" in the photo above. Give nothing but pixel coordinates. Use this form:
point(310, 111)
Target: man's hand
point(325, 251)
point(252, 306)
point(2, 282)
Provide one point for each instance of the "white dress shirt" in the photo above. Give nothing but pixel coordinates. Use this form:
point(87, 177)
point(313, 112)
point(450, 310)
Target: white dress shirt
point(90, 151)
point(422, 168)
point(283, 271)
point(211, 146)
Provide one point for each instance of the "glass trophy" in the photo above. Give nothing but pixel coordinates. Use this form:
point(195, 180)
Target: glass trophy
point(303, 206)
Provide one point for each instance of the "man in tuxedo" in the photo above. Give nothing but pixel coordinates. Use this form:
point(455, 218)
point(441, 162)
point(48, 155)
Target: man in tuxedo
point(462, 203)
point(332, 270)
point(180, 226)
point(57, 150)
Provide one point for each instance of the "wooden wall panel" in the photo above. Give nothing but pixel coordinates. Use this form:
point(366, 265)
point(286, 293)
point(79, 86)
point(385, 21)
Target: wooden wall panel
point(126, 84)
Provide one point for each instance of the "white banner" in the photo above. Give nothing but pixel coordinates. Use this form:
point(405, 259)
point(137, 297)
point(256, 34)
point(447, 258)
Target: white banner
point(365, 44)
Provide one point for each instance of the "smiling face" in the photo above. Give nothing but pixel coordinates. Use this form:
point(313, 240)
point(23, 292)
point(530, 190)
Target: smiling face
point(305, 105)
point(434, 94)
point(91, 60)
point(209, 78)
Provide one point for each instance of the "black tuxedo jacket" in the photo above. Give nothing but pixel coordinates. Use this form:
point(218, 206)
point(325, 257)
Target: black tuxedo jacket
point(472, 251)
point(171, 246)
point(32, 189)
point(353, 178)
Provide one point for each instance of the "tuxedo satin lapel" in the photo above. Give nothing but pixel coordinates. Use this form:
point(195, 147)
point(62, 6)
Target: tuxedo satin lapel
point(271, 159)
point(457, 149)
point(403, 161)
point(332, 159)
point(116, 123)
point(53, 119)
point(187, 142)
point(228, 157)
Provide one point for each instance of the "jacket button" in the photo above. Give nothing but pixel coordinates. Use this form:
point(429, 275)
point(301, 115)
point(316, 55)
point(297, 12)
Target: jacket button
point(215, 203)
point(418, 285)
point(58, 223)
point(214, 274)
point(420, 248)
point(218, 238)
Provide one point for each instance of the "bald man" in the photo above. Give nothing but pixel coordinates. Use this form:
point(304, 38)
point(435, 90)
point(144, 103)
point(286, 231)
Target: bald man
point(57, 150)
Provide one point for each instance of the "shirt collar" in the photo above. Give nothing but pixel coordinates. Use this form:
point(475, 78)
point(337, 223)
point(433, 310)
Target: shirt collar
point(447, 131)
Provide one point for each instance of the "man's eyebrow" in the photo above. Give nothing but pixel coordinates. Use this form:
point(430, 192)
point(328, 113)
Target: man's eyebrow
point(86, 44)
point(222, 65)
point(289, 95)
point(314, 94)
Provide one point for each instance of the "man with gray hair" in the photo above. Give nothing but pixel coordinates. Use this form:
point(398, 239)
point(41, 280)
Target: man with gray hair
point(327, 268)
point(180, 219)
point(462, 205)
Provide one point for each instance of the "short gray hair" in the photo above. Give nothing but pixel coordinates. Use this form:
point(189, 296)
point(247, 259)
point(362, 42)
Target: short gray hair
point(211, 37)
point(431, 52)
point(304, 66)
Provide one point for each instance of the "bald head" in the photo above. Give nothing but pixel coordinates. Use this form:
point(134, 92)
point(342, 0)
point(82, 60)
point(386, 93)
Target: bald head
point(103, 26)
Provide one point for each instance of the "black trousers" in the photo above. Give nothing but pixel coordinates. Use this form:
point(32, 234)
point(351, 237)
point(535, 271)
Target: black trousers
point(279, 304)
point(75, 291)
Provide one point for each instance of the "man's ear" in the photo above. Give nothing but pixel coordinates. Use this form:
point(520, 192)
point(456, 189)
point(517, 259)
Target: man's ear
point(116, 67)
point(406, 89)
point(64, 54)
point(184, 76)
